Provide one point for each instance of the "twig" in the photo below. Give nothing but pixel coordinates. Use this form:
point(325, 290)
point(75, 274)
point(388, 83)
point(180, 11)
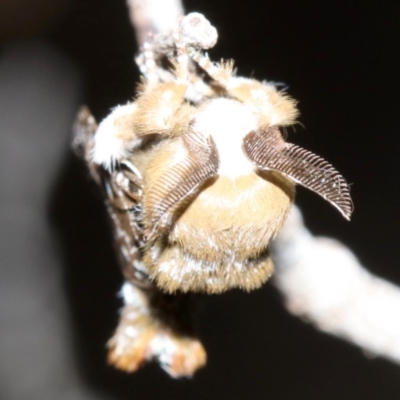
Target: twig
point(153, 16)
point(323, 282)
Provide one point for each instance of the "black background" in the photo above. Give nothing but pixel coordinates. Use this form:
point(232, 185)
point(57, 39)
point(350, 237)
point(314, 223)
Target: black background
point(340, 60)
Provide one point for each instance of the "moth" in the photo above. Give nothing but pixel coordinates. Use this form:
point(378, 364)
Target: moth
point(198, 179)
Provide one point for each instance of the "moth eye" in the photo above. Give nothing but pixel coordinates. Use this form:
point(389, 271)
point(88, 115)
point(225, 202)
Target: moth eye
point(269, 152)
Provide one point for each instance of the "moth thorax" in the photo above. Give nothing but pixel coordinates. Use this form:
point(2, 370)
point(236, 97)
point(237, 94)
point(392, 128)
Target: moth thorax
point(227, 121)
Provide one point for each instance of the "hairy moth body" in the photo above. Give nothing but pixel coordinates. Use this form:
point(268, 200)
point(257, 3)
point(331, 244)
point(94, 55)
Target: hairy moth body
point(198, 180)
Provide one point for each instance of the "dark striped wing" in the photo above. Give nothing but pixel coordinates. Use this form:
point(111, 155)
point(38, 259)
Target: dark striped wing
point(122, 189)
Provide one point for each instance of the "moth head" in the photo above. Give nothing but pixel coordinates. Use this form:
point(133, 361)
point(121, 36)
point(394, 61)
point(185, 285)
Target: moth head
point(235, 127)
point(225, 140)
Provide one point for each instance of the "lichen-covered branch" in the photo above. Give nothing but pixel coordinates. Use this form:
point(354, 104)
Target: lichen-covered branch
point(323, 282)
point(153, 16)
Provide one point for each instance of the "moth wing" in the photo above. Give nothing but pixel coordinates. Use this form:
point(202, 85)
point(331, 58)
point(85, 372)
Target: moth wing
point(122, 189)
point(269, 152)
point(83, 130)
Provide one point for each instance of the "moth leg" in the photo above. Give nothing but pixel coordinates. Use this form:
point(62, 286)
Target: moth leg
point(155, 326)
point(273, 107)
point(220, 72)
point(160, 109)
point(115, 139)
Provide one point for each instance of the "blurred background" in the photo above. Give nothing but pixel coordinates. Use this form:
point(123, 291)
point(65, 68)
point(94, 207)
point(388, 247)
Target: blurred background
point(58, 275)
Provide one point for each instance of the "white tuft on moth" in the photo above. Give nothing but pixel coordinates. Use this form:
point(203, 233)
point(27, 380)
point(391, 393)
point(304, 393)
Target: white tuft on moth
point(197, 174)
